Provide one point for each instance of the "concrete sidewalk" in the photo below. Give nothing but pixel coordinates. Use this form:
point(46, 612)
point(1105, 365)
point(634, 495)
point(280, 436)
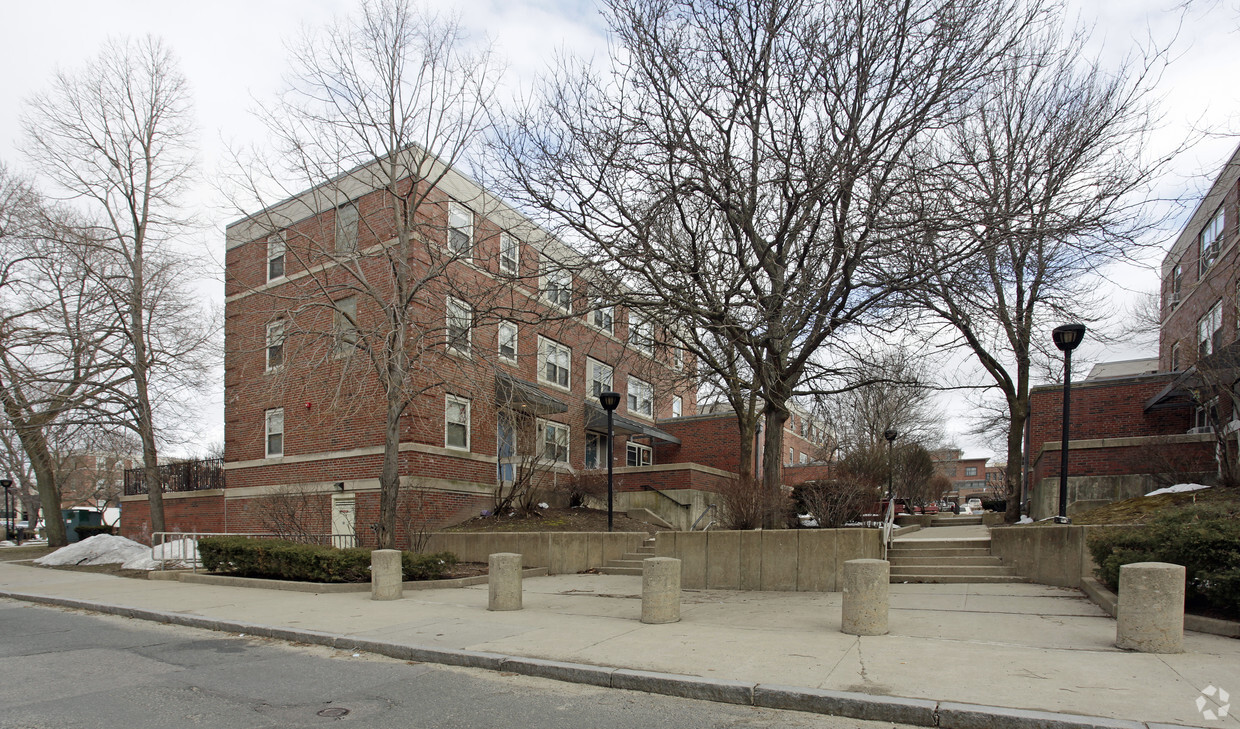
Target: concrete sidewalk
point(996, 647)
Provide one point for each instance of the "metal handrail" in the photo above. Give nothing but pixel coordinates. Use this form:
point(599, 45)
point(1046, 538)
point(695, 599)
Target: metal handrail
point(709, 524)
point(888, 525)
point(660, 493)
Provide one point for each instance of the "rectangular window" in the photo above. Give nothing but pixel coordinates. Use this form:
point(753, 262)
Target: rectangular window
point(1210, 241)
point(1205, 416)
point(558, 288)
point(460, 228)
point(456, 423)
point(275, 345)
point(596, 450)
point(506, 446)
point(554, 362)
point(346, 228)
point(804, 458)
point(970, 470)
point(275, 256)
point(509, 254)
point(637, 454)
point(792, 456)
point(677, 406)
point(459, 321)
point(600, 377)
point(1175, 357)
point(554, 441)
point(1177, 281)
point(275, 432)
point(641, 398)
point(678, 357)
point(602, 315)
point(1210, 330)
point(508, 341)
point(641, 333)
point(344, 325)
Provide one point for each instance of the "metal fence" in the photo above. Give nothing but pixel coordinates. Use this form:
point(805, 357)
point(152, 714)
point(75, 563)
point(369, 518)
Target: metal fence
point(199, 475)
point(181, 548)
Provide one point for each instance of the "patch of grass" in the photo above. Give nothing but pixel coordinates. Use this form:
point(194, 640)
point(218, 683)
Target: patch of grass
point(1141, 509)
point(11, 554)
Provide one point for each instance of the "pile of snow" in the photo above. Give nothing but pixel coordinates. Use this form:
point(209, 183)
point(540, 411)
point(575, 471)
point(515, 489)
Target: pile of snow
point(1179, 488)
point(176, 554)
point(1025, 520)
point(99, 549)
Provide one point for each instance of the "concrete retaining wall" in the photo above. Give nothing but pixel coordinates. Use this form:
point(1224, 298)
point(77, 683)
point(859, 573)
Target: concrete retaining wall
point(560, 552)
point(806, 560)
point(1053, 554)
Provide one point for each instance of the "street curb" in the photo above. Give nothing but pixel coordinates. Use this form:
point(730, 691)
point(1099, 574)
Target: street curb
point(854, 705)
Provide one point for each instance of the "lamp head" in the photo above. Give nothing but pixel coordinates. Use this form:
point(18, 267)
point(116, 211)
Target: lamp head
point(6, 483)
point(890, 434)
point(609, 400)
point(1068, 336)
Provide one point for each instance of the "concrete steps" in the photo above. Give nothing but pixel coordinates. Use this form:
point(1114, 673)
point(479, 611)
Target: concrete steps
point(942, 561)
point(944, 521)
point(630, 563)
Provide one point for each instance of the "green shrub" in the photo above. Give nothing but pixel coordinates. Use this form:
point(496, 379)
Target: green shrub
point(1205, 539)
point(279, 559)
point(86, 532)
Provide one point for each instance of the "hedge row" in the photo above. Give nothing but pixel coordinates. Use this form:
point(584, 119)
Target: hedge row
point(1205, 538)
point(284, 560)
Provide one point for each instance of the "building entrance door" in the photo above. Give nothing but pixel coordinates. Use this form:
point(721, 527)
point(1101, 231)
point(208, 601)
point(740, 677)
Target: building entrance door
point(344, 520)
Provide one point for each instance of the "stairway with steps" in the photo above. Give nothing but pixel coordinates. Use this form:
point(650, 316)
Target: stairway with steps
point(631, 562)
point(947, 561)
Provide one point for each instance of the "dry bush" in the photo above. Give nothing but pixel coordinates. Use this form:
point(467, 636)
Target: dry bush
point(293, 512)
point(583, 487)
point(745, 504)
point(834, 503)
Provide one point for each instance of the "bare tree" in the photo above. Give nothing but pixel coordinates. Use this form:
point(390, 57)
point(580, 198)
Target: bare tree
point(897, 394)
point(747, 168)
point(115, 137)
point(389, 101)
point(1048, 182)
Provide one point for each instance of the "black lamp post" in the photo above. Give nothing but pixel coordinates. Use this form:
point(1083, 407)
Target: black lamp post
point(7, 484)
point(890, 434)
point(610, 401)
point(1066, 338)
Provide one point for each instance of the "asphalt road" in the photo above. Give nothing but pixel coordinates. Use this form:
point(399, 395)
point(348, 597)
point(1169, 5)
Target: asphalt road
point(68, 669)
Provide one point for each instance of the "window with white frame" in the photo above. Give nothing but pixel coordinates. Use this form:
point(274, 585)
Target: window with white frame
point(275, 345)
point(792, 456)
point(346, 228)
point(804, 459)
point(677, 406)
point(1175, 357)
point(508, 341)
point(509, 254)
point(602, 314)
point(460, 228)
point(558, 288)
point(554, 362)
point(1210, 330)
point(600, 377)
point(1210, 241)
point(554, 439)
point(637, 454)
point(506, 445)
point(1206, 415)
point(1177, 281)
point(678, 357)
point(276, 246)
point(641, 397)
point(456, 423)
point(460, 318)
point(344, 325)
point(596, 450)
point(275, 432)
point(641, 333)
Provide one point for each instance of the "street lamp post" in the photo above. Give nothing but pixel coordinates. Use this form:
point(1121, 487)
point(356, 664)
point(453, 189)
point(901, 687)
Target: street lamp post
point(890, 434)
point(610, 401)
point(1066, 338)
point(7, 484)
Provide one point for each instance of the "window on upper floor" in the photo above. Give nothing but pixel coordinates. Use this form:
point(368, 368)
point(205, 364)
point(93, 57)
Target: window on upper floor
point(641, 333)
point(1210, 330)
point(678, 406)
point(460, 229)
point(1175, 357)
point(274, 419)
point(558, 288)
point(456, 423)
point(637, 454)
point(600, 377)
point(275, 345)
point(1210, 241)
point(346, 228)
point(970, 470)
point(1177, 282)
point(276, 246)
point(344, 325)
point(641, 397)
point(804, 459)
point(459, 321)
point(554, 363)
point(509, 254)
point(508, 341)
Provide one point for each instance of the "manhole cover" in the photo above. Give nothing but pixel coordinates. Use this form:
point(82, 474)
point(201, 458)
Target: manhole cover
point(333, 712)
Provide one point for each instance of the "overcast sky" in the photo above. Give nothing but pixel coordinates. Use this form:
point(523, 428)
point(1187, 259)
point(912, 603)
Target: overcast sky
point(234, 53)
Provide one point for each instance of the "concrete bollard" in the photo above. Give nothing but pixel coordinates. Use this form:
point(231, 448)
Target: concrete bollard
point(1150, 614)
point(504, 581)
point(866, 586)
point(385, 575)
point(660, 590)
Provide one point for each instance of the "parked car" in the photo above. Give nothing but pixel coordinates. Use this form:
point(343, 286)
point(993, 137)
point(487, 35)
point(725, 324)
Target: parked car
point(976, 505)
point(930, 509)
point(965, 510)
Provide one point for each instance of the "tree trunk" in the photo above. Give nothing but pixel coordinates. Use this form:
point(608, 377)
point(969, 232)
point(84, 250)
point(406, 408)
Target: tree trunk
point(748, 429)
point(389, 478)
point(1018, 408)
point(772, 467)
point(35, 444)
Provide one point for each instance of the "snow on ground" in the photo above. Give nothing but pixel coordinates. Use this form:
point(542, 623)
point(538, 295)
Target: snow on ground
point(175, 554)
point(1179, 488)
point(1025, 520)
point(99, 549)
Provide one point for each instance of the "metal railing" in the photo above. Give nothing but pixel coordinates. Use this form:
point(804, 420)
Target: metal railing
point(198, 475)
point(889, 522)
point(660, 493)
point(709, 524)
point(182, 547)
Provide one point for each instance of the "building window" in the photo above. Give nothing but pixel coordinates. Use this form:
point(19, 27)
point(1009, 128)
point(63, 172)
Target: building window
point(554, 362)
point(1210, 241)
point(346, 228)
point(1205, 416)
point(804, 459)
point(554, 440)
point(638, 454)
point(508, 341)
point(456, 423)
point(1210, 330)
point(677, 406)
point(600, 377)
point(678, 357)
point(506, 446)
point(596, 450)
point(558, 288)
point(344, 325)
point(641, 333)
point(460, 228)
point(641, 398)
point(275, 256)
point(1177, 281)
point(1175, 357)
point(275, 432)
point(970, 470)
point(509, 254)
point(275, 345)
point(459, 320)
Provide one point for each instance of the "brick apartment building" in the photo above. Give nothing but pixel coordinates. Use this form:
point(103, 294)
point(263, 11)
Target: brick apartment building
point(504, 382)
point(970, 477)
